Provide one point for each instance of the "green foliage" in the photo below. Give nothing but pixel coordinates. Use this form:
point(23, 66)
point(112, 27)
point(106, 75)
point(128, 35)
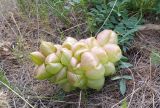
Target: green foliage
point(3, 77)
point(57, 8)
point(155, 57)
point(141, 5)
point(124, 103)
point(122, 86)
point(120, 21)
point(32, 7)
point(123, 63)
point(122, 82)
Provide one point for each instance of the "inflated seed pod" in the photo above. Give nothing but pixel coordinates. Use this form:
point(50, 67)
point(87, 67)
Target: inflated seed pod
point(73, 62)
point(91, 42)
point(54, 68)
point(114, 52)
point(96, 84)
point(52, 58)
point(100, 53)
point(107, 36)
point(69, 42)
point(79, 45)
point(37, 57)
point(113, 38)
point(96, 73)
point(88, 61)
point(58, 50)
point(66, 56)
point(79, 53)
point(76, 80)
point(62, 74)
point(61, 81)
point(41, 73)
point(67, 87)
point(47, 48)
point(78, 70)
point(109, 69)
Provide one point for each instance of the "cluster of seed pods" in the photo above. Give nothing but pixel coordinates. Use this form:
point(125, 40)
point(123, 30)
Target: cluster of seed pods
point(78, 64)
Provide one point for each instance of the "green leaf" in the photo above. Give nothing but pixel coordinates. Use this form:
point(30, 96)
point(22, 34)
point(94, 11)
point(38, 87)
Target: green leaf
point(122, 86)
point(127, 77)
point(124, 103)
point(124, 65)
point(116, 78)
point(155, 57)
point(3, 78)
point(124, 59)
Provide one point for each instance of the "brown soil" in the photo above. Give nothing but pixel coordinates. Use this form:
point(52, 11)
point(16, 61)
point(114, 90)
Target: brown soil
point(142, 91)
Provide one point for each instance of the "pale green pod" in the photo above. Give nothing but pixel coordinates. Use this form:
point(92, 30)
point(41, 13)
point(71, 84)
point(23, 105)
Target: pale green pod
point(82, 40)
point(114, 52)
point(73, 62)
point(62, 74)
point(79, 53)
point(113, 38)
point(67, 87)
point(88, 61)
point(83, 83)
point(52, 79)
point(109, 69)
point(96, 84)
point(41, 74)
point(100, 54)
point(74, 79)
point(103, 37)
point(66, 56)
point(79, 45)
point(47, 48)
point(58, 50)
point(69, 42)
point(54, 68)
point(78, 70)
point(96, 73)
point(37, 57)
point(91, 42)
point(52, 58)
point(107, 36)
point(63, 81)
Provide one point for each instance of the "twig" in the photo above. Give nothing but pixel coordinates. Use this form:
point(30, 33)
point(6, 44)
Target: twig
point(79, 102)
point(149, 27)
point(75, 26)
point(16, 25)
point(107, 18)
point(153, 101)
point(128, 95)
point(17, 94)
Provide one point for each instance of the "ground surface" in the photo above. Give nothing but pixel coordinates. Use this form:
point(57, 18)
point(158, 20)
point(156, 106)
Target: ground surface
point(20, 36)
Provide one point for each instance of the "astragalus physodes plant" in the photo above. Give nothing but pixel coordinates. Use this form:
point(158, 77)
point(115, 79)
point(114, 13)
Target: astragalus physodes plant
point(83, 64)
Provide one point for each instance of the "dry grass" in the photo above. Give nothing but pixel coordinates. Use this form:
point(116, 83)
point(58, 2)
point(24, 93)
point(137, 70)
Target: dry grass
point(23, 36)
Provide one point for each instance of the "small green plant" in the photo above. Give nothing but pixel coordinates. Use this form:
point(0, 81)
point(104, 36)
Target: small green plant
point(120, 21)
point(32, 8)
point(141, 5)
point(124, 103)
point(123, 63)
point(3, 77)
point(4, 82)
point(155, 57)
point(122, 82)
